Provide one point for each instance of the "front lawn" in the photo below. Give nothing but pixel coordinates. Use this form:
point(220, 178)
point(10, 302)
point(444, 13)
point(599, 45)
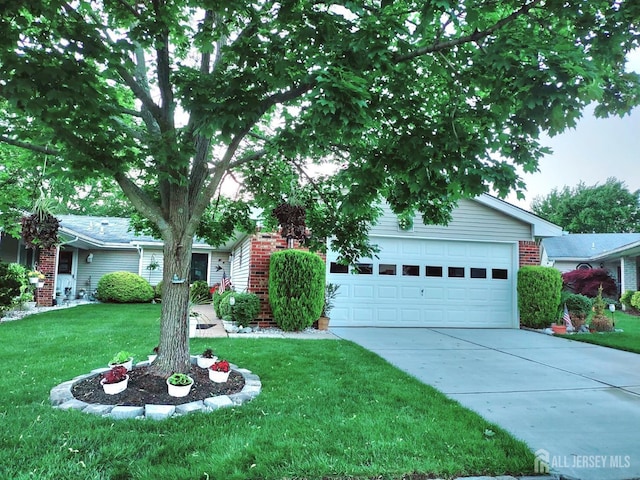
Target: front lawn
point(327, 409)
point(628, 340)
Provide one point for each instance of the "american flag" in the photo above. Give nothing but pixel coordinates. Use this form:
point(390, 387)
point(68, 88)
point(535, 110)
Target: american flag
point(225, 283)
point(566, 317)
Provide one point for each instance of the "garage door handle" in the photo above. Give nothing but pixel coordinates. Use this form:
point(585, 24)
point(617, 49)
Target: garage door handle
point(422, 292)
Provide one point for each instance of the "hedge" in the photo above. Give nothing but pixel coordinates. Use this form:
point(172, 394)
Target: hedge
point(124, 287)
point(538, 295)
point(244, 310)
point(296, 288)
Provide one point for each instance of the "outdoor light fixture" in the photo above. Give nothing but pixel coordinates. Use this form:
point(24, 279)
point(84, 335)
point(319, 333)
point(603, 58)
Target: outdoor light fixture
point(612, 308)
point(232, 300)
point(90, 258)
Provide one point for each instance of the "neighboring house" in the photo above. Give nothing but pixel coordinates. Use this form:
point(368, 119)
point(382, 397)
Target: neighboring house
point(616, 252)
point(460, 275)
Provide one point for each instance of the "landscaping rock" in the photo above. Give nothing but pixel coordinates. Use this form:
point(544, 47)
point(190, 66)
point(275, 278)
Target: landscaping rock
point(98, 409)
point(222, 401)
point(121, 413)
point(74, 404)
point(190, 407)
point(159, 412)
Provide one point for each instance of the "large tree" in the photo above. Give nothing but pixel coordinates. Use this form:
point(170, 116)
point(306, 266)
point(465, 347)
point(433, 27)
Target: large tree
point(421, 102)
point(606, 208)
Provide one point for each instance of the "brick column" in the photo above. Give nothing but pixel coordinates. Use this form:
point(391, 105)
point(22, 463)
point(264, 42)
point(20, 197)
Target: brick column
point(629, 271)
point(46, 265)
point(529, 253)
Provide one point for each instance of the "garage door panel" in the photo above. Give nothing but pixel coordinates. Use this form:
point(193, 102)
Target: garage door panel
point(418, 300)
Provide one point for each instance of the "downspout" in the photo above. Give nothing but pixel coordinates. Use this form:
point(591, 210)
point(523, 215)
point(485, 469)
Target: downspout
point(140, 255)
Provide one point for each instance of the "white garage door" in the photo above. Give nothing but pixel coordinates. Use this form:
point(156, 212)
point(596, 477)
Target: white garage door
point(428, 283)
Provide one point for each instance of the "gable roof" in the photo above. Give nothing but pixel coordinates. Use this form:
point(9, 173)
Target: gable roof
point(589, 246)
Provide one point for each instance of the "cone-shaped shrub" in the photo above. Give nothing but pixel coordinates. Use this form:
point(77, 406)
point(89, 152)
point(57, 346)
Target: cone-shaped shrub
point(296, 288)
point(538, 295)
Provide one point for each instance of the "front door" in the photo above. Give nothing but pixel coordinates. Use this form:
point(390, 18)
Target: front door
point(65, 285)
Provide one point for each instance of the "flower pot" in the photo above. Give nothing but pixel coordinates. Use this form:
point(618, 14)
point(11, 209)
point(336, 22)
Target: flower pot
point(323, 323)
point(193, 327)
point(218, 377)
point(128, 364)
point(151, 358)
point(40, 284)
point(561, 329)
point(115, 388)
point(33, 279)
point(204, 362)
point(179, 390)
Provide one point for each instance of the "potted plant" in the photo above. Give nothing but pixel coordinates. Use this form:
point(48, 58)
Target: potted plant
point(123, 358)
point(219, 371)
point(81, 293)
point(115, 380)
point(330, 294)
point(206, 358)
point(179, 384)
point(35, 276)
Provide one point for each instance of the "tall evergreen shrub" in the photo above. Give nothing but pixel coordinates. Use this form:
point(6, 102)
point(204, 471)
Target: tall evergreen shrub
point(538, 295)
point(296, 288)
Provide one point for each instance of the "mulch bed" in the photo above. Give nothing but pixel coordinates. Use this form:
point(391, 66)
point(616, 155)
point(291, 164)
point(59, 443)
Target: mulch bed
point(145, 388)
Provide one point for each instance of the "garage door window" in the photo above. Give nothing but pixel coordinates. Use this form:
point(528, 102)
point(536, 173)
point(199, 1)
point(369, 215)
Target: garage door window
point(411, 270)
point(338, 268)
point(456, 272)
point(364, 268)
point(386, 269)
point(478, 273)
point(432, 271)
point(499, 274)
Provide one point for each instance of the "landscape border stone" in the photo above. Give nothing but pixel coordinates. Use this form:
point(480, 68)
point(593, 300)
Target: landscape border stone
point(61, 397)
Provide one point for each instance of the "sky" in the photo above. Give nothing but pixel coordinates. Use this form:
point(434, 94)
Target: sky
point(593, 151)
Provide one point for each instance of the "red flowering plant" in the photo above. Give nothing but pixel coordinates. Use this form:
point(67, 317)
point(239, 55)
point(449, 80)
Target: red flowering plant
point(115, 375)
point(214, 289)
point(221, 366)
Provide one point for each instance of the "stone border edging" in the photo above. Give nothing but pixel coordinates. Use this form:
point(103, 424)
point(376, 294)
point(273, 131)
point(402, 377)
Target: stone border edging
point(62, 398)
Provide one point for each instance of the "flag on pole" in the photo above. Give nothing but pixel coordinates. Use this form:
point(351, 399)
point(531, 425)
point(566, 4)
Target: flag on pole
point(567, 318)
point(225, 283)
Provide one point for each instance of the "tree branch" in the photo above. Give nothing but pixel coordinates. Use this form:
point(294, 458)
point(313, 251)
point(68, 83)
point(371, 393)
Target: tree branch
point(474, 37)
point(29, 146)
point(141, 201)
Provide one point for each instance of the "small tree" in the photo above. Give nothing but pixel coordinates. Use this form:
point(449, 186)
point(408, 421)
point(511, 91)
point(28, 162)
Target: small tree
point(296, 288)
point(589, 281)
point(538, 295)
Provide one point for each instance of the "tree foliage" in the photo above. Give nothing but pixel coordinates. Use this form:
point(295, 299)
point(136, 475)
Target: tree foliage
point(606, 208)
point(419, 102)
point(589, 281)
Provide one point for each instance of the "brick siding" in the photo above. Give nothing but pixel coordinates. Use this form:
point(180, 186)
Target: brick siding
point(46, 265)
point(529, 253)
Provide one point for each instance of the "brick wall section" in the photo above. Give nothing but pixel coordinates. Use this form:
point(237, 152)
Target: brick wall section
point(261, 247)
point(529, 253)
point(46, 265)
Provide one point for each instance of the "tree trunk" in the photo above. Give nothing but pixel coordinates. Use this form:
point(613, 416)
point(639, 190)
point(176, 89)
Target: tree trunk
point(174, 321)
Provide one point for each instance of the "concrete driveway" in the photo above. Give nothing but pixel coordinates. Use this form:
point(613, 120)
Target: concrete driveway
point(576, 405)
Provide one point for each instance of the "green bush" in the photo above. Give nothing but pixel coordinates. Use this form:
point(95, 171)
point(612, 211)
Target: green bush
point(157, 291)
point(245, 309)
point(124, 287)
point(296, 288)
point(12, 283)
point(576, 303)
point(217, 298)
point(538, 295)
point(625, 299)
point(635, 300)
point(199, 292)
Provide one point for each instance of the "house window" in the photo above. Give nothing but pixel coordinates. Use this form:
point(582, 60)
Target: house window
point(456, 272)
point(364, 268)
point(432, 271)
point(338, 268)
point(478, 273)
point(199, 264)
point(65, 262)
point(386, 269)
point(499, 273)
point(411, 270)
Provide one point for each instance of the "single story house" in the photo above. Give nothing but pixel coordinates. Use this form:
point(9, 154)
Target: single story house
point(616, 252)
point(460, 275)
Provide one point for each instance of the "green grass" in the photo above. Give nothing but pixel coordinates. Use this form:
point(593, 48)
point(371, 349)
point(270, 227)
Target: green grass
point(328, 409)
point(628, 340)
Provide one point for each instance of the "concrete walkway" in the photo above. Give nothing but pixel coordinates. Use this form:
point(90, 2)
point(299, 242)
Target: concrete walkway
point(576, 405)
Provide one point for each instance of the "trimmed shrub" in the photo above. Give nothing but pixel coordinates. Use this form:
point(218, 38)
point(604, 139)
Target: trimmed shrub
point(578, 305)
point(124, 287)
point(245, 309)
point(538, 295)
point(217, 298)
point(11, 281)
point(625, 299)
point(635, 300)
point(199, 292)
point(157, 291)
point(296, 288)
point(587, 282)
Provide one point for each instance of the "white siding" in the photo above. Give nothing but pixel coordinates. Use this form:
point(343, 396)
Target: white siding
point(470, 221)
point(240, 260)
point(216, 259)
point(152, 276)
point(104, 261)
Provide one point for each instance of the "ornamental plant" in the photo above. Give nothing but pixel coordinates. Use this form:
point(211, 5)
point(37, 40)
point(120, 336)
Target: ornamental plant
point(538, 295)
point(208, 353)
point(124, 287)
point(220, 366)
point(35, 274)
point(180, 380)
point(120, 357)
point(116, 375)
